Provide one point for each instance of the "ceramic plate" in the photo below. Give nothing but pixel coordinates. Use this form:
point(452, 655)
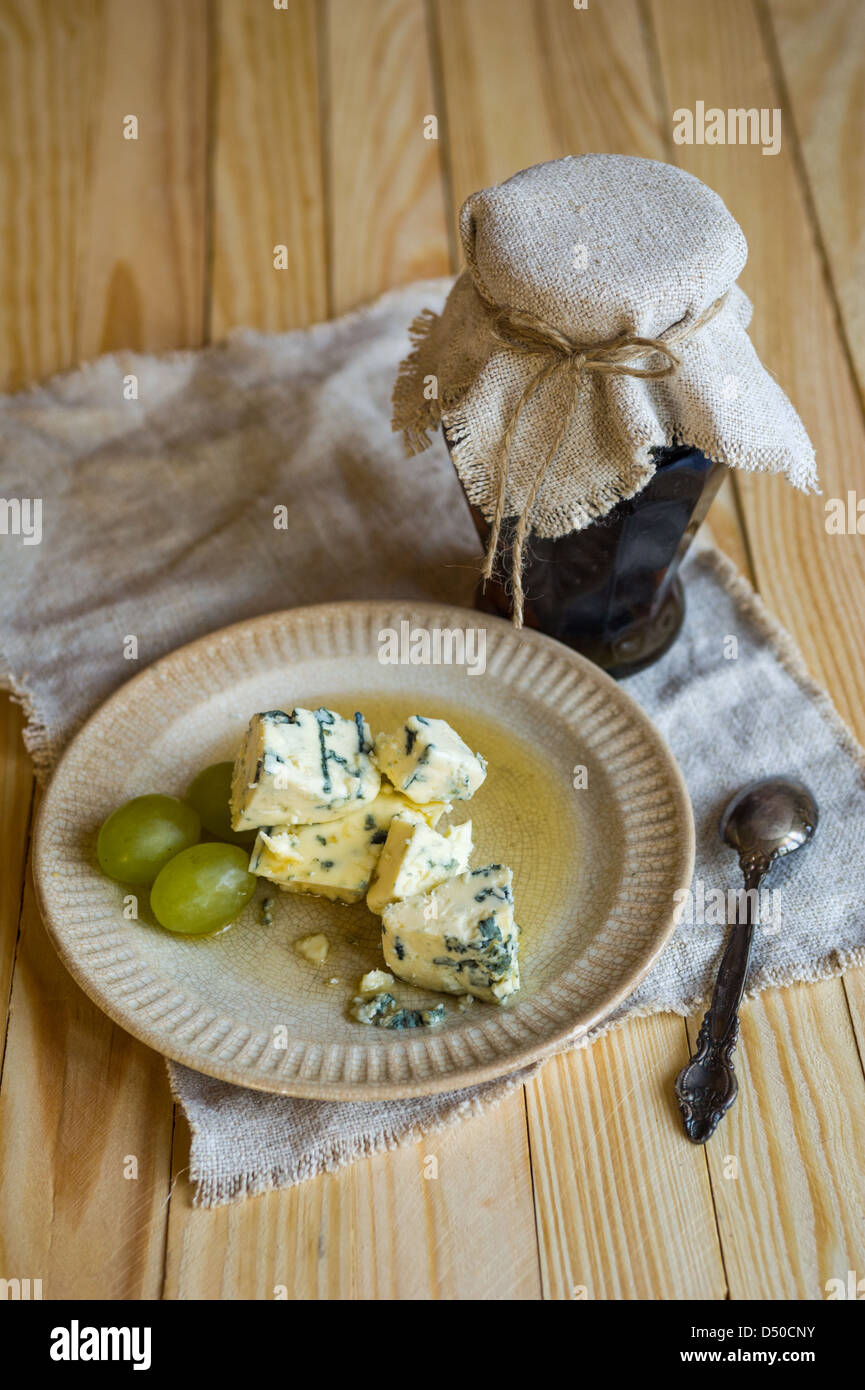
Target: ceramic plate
point(596, 866)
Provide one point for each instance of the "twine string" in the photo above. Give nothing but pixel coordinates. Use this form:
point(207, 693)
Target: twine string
point(526, 333)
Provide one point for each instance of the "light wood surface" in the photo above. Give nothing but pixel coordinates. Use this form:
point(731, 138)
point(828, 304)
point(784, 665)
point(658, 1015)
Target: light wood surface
point(305, 128)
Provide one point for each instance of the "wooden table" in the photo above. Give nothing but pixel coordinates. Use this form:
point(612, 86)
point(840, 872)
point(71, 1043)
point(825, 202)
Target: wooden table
point(304, 126)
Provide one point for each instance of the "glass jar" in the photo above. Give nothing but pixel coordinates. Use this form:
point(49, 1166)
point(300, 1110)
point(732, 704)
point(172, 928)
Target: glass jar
point(612, 591)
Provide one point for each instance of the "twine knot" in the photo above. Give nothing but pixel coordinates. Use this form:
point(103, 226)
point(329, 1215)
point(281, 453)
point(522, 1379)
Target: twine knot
point(626, 355)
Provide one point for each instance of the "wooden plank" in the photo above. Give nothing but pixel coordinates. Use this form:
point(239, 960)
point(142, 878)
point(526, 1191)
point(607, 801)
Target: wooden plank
point(45, 83)
point(583, 81)
point(140, 281)
point(267, 169)
point(526, 83)
point(701, 59)
point(432, 1221)
point(44, 67)
point(788, 1187)
point(820, 51)
point(387, 207)
point(388, 224)
point(854, 988)
point(624, 1204)
point(82, 1105)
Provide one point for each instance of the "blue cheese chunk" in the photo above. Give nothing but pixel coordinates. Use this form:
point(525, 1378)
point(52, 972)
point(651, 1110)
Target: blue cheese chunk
point(382, 1011)
point(306, 767)
point(416, 858)
point(428, 761)
point(460, 938)
point(334, 860)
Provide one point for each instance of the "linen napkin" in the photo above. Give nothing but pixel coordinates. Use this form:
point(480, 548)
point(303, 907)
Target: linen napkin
point(145, 493)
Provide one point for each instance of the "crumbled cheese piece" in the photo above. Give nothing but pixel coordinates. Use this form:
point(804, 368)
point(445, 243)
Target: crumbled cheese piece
point(370, 1010)
point(374, 981)
point(381, 1011)
point(313, 948)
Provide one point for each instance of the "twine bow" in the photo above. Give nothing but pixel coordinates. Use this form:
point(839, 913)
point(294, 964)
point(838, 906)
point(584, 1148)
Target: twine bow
point(524, 332)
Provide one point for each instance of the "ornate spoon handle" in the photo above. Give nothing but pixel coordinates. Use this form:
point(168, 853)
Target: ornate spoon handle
point(707, 1086)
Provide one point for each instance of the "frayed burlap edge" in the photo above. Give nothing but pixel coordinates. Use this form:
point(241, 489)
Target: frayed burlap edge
point(417, 418)
point(35, 735)
point(418, 425)
point(213, 1191)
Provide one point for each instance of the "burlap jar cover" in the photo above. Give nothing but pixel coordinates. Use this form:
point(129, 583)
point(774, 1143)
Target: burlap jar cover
point(598, 319)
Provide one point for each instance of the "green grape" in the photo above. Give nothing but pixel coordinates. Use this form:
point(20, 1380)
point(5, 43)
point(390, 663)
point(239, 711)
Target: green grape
point(202, 889)
point(142, 835)
point(209, 794)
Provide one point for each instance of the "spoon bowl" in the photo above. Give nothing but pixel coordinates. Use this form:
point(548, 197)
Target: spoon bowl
point(768, 819)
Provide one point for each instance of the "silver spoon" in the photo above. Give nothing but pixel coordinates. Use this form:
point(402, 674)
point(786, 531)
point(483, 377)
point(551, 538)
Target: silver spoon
point(763, 822)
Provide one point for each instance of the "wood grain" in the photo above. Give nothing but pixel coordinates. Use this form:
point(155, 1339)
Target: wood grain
point(443, 1219)
point(821, 68)
point(268, 183)
point(140, 281)
point(46, 65)
point(526, 83)
point(267, 168)
point(787, 1185)
point(385, 182)
point(794, 331)
point(82, 1105)
point(623, 1200)
point(820, 54)
point(386, 200)
point(724, 524)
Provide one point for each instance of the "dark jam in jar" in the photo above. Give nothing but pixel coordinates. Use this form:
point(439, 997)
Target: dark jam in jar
point(611, 591)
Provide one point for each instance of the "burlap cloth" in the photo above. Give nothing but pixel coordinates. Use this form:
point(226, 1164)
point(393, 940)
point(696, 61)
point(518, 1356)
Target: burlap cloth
point(594, 247)
point(158, 521)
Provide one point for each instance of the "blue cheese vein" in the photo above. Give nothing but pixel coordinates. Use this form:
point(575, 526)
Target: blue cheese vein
point(309, 766)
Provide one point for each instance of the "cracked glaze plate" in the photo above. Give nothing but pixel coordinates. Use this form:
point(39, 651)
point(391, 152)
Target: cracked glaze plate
point(595, 868)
